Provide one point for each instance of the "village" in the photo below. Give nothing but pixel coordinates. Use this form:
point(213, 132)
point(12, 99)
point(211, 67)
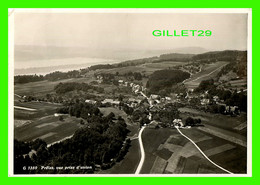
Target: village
point(155, 103)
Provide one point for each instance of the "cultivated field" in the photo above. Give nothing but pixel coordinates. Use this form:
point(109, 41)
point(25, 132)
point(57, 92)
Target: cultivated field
point(167, 152)
point(236, 124)
point(48, 128)
point(42, 88)
point(208, 71)
point(41, 109)
point(225, 153)
point(147, 68)
point(237, 84)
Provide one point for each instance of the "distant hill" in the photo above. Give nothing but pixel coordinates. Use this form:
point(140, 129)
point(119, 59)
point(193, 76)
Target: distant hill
point(176, 57)
point(227, 55)
point(190, 50)
point(28, 53)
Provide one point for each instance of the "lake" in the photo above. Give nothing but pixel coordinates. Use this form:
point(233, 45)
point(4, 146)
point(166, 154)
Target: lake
point(46, 66)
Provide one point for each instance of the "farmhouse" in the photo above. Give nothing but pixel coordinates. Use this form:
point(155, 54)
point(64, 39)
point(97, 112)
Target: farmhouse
point(204, 101)
point(168, 98)
point(215, 98)
point(177, 123)
point(120, 82)
point(111, 101)
point(91, 102)
point(154, 96)
point(232, 109)
point(136, 88)
point(153, 124)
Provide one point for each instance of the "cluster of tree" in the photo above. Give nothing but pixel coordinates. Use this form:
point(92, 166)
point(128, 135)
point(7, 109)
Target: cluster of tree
point(230, 98)
point(164, 79)
point(239, 67)
point(101, 66)
point(80, 109)
point(57, 75)
point(128, 110)
point(109, 77)
point(62, 88)
point(136, 62)
point(192, 121)
point(123, 64)
point(166, 115)
point(132, 75)
point(140, 115)
point(20, 79)
point(103, 143)
point(179, 57)
point(226, 69)
point(227, 55)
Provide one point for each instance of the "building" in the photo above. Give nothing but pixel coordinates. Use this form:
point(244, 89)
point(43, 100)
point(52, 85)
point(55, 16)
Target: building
point(215, 98)
point(168, 98)
point(154, 96)
point(111, 101)
point(204, 101)
point(177, 123)
point(120, 82)
point(91, 101)
point(99, 79)
point(232, 109)
point(153, 124)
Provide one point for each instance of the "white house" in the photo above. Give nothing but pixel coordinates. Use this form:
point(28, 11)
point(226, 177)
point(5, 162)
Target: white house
point(177, 122)
point(154, 96)
point(168, 98)
point(91, 101)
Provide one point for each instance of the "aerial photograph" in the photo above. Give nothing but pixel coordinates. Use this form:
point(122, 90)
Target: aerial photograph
point(118, 92)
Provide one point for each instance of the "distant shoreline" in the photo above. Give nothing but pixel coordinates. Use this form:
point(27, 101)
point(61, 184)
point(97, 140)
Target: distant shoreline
point(69, 64)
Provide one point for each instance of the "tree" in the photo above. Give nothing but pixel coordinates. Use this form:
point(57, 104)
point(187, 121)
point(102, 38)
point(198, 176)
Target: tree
point(189, 121)
point(82, 122)
point(35, 145)
point(61, 118)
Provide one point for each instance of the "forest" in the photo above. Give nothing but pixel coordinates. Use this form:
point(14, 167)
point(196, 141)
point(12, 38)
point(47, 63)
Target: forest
point(164, 79)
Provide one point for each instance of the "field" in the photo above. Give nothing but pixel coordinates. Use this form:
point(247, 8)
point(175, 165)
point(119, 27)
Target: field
point(170, 153)
point(42, 88)
point(208, 71)
point(147, 68)
point(227, 154)
point(152, 139)
point(237, 84)
point(41, 123)
point(167, 152)
point(48, 128)
point(234, 124)
point(42, 109)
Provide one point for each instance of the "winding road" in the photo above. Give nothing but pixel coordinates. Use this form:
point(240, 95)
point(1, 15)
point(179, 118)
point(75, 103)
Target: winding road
point(140, 165)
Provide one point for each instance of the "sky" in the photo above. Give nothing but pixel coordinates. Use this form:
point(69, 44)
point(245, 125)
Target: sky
point(129, 31)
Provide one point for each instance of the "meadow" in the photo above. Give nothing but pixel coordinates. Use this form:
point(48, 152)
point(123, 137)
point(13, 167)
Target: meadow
point(208, 71)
